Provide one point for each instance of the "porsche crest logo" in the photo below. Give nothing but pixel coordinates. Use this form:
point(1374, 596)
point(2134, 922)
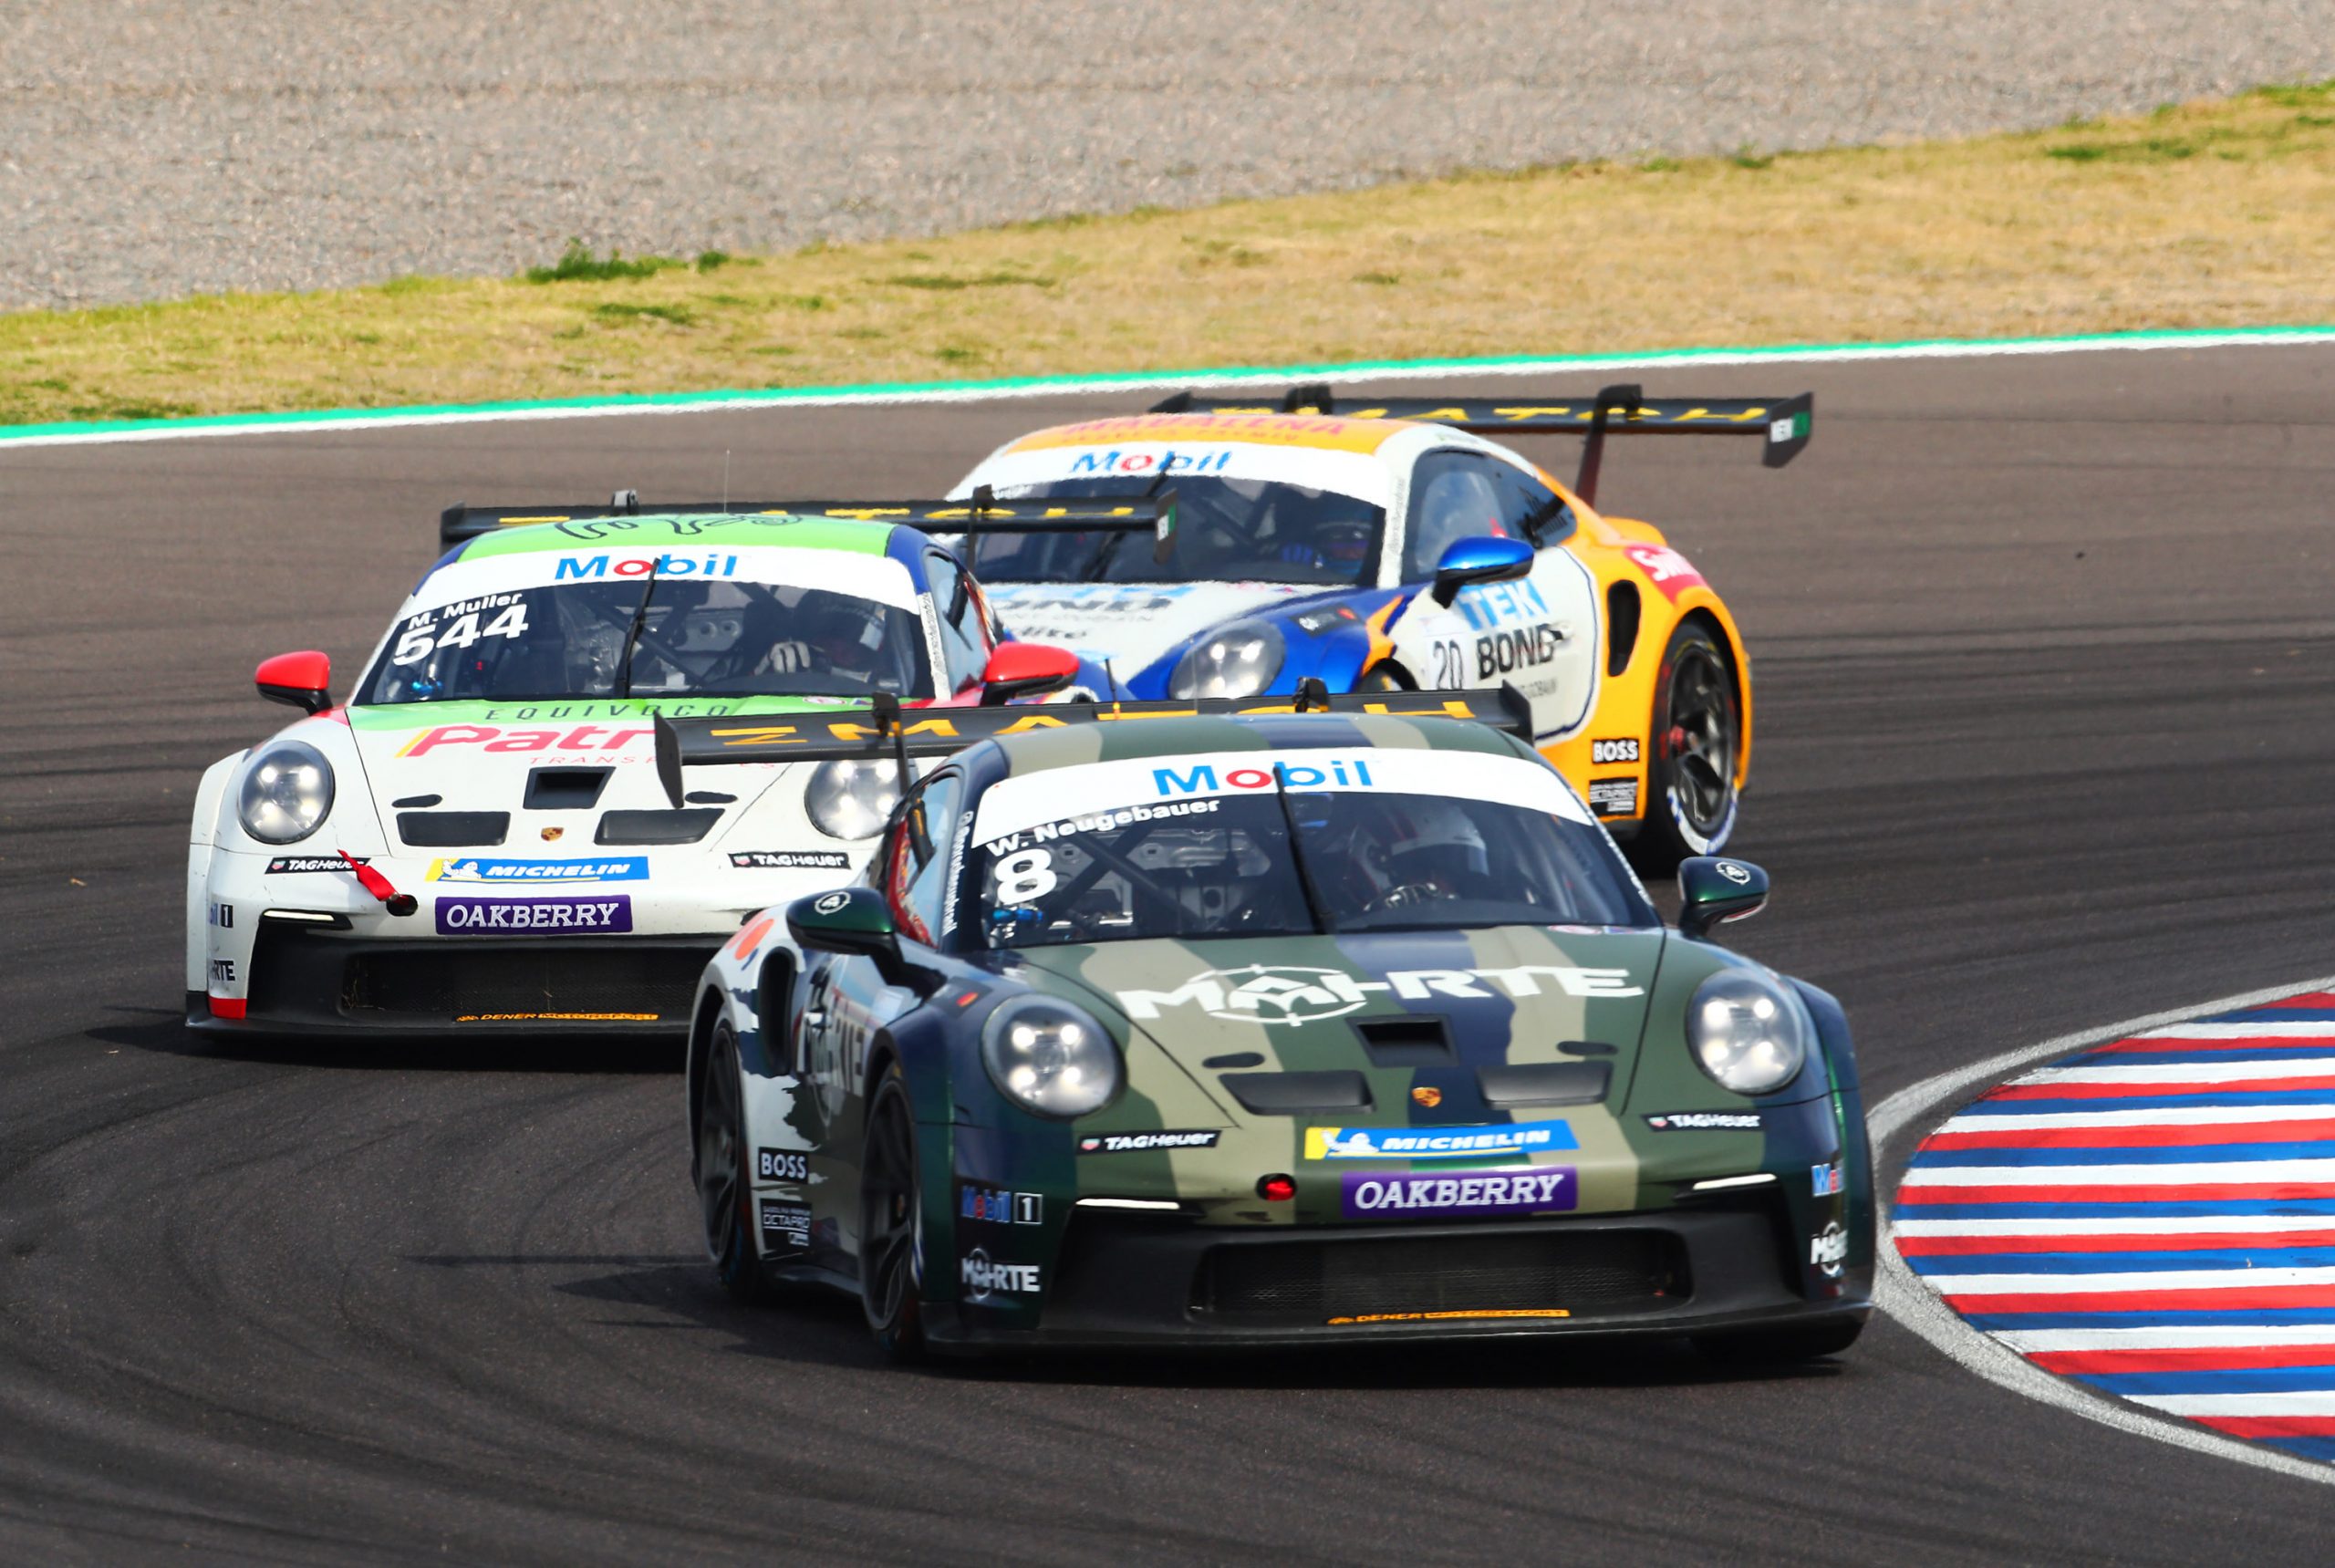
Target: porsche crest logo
point(1427, 1094)
point(552, 833)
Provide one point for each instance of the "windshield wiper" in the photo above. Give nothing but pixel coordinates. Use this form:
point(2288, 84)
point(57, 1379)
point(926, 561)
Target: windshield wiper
point(1297, 857)
point(632, 634)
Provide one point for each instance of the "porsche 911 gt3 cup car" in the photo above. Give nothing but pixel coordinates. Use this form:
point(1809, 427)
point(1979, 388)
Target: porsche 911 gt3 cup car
point(475, 840)
point(1221, 1030)
point(1383, 543)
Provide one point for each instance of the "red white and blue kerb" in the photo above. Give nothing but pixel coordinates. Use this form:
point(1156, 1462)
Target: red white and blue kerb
point(2155, 1218)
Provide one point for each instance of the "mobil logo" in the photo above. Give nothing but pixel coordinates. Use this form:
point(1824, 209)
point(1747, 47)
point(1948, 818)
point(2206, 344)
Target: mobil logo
point(577, 568)
point(1320, 773)
point(1113, 460)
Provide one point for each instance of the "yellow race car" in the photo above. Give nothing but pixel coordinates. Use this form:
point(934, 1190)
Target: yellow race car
point(1384, 542)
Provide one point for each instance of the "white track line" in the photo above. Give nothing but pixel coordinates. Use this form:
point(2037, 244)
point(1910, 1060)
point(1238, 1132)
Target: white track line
point(336, 420)
point(1900, 1293)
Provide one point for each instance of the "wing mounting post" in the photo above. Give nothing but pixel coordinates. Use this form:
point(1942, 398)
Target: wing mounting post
point(1623, 399)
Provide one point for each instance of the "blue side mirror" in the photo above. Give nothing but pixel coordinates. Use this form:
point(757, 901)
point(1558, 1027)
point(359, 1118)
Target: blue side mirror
point(1486, 559)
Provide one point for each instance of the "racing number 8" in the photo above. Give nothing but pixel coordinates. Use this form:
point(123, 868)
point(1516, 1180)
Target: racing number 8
point(1025, 876)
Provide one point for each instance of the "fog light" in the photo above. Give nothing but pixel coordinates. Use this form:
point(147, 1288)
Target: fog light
point(1277, 1189)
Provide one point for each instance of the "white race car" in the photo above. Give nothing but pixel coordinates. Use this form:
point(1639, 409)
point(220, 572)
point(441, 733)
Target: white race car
point(476, 839)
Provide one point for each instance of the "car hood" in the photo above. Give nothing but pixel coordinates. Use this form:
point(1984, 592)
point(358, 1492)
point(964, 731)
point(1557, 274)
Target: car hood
point(1430, 1026)
point(480, 757)
point(1136, 624)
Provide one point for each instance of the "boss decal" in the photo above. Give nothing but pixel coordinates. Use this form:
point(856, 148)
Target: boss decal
point(782, 1165)
point(1624, 750)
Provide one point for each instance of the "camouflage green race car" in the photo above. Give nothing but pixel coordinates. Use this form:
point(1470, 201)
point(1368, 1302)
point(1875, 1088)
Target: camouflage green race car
point(1222, 1023)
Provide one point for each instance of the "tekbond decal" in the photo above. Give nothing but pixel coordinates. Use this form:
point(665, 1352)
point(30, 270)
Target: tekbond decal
point(1292, 994)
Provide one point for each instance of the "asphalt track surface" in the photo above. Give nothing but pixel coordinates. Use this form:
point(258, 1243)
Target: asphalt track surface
point(2045, 655)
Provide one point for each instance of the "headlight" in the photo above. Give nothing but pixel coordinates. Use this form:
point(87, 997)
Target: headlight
point(1745, 1032)
point(1048, 1057)
point(288, 790)
point(852, 799)
point(1239, 660)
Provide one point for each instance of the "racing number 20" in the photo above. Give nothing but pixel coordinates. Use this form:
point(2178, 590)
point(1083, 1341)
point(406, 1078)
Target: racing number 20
point(1448, 666)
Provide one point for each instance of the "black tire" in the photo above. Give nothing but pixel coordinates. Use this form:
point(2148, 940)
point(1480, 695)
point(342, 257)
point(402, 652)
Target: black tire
point(725, 1194)
point(891, 1222)
point(1695, 735)
point(1806, 1342)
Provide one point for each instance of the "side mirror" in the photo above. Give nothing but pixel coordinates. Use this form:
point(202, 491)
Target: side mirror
point(1025, 670)
point(303, 679)
point(1487, 560)
point(849, 920)
point(1713, 890)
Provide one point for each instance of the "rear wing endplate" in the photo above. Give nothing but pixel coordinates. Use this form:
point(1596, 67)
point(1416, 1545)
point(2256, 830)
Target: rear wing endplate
point(885, 729)
point(1783, 424)
point(979, 515)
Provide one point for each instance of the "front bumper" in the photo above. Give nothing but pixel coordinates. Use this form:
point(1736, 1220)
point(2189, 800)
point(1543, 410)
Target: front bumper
point(306, 981)
point(1128, 1279)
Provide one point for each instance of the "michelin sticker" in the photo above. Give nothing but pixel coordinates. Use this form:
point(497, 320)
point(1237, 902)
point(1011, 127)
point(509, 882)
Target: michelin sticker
point(1436, 1143)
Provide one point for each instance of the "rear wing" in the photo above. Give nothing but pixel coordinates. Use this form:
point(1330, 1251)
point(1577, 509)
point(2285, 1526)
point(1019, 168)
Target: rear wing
point(886, 730)
point(1784, 423)
point(980, 515)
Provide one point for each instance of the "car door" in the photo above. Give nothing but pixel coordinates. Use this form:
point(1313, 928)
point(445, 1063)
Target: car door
point(1539, 632)
point(848, 1004)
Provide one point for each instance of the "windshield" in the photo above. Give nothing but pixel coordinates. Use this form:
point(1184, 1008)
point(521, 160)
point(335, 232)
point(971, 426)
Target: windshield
point(1272, 858)
point(651, 637)
point(1226, 530)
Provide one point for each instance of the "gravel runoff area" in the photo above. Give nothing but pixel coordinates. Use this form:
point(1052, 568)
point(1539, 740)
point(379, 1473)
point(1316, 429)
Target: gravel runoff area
point(159, 147)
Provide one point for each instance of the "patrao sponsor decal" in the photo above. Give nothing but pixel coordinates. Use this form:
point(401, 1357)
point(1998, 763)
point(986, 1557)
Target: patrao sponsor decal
point(1136, 1143)
point(1436, 1143)
point(499, 917)
point(1287, 993)
point(470, 868)
point(592, 739)
point(1369, 1195)
point(984, 1279)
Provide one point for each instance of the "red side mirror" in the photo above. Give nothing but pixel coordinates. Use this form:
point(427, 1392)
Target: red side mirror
point(303, 679)
point(1025, 670)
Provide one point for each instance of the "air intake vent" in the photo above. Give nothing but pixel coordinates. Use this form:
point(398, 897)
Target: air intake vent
point(448, 829)
point(1288, 1093)
point(1580, 1275)
point(658, 826)
point(565, 789)
point(1545, 1084)
point(1413, 1040)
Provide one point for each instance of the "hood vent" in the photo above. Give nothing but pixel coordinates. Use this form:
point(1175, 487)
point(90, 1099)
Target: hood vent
point(1545, 1084)
point(1291, 1094)
point(658, 826)
point(565, 789)
point(453, 829)
point(1409, 1040)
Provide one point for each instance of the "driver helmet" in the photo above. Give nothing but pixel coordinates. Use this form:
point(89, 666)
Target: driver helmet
point(1438, 844)
point(849, 632)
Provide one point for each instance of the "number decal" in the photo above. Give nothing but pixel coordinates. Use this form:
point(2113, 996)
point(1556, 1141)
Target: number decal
point(418, 640)
point(1446, 666)
point(1025, 876)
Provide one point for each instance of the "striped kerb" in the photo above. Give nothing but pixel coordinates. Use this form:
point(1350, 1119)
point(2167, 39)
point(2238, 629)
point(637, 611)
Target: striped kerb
point(2155, 1218)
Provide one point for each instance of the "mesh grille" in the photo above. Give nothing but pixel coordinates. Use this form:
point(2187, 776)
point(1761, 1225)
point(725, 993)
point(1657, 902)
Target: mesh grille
point(1584, 1275)
point(614, 983)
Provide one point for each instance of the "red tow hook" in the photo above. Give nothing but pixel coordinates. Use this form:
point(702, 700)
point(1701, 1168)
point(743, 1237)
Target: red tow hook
point(397, 903)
